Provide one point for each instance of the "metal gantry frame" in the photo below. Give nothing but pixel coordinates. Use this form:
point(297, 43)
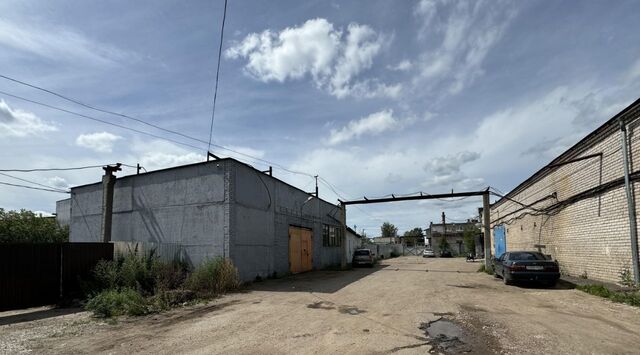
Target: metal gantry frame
point(486, 218)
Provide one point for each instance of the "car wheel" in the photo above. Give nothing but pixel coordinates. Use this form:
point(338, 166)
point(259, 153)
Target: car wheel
point(506, 280)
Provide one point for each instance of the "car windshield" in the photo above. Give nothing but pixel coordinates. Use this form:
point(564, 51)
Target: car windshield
point(362, 252)
point(526, 256)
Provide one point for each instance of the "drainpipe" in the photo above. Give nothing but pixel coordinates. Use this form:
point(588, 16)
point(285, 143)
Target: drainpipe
point(631, 206)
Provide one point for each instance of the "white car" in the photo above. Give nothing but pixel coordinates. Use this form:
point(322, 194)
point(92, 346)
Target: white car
point(428, 253)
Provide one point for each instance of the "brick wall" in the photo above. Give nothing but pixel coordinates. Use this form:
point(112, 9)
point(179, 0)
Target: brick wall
point(589, 237)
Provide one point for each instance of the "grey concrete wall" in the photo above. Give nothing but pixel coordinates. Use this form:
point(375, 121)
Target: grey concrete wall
point(263, 209)
point(186, 206)
point(63, 212)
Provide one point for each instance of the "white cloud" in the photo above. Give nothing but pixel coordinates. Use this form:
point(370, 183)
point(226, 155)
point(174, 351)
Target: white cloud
point(59, 43)
point(402, 66)
point(373, 124)
point(58, 182)
point(333, 58)
point(447, 165)
point(18, 123)
point(101, 142)
point(467, 31)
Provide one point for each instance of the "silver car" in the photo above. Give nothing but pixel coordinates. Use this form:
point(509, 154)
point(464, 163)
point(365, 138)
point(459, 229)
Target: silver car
point(428, 253)
point(363, 257)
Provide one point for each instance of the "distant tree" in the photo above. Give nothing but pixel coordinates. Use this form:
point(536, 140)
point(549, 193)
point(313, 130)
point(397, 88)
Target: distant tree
point(412, 236)
point(24, 226)
point(389, 230)
point(469, 236)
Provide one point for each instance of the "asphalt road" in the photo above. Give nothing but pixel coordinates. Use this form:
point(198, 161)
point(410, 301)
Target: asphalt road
point(386, 309)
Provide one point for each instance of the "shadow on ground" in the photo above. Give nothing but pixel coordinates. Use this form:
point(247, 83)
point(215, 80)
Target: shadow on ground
point(37, 314)
point(321, 281)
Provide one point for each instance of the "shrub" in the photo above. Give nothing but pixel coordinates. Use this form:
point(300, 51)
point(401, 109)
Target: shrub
point(169, 276)
point(213, 277)
point(109, 303)
point(25, 226)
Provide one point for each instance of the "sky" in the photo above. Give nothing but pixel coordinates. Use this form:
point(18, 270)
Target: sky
point(375, 97)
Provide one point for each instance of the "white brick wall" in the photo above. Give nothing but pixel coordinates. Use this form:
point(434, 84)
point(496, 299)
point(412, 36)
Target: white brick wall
point(590, 236)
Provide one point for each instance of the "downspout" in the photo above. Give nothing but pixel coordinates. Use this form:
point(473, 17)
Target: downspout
point(631, 206)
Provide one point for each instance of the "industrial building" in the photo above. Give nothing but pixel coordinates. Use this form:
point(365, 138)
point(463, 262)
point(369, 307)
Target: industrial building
point(581, 207)
point(221, 208)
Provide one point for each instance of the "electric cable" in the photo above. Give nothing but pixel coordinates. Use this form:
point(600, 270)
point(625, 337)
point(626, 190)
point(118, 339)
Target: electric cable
point(33, 187)
point(215, 90)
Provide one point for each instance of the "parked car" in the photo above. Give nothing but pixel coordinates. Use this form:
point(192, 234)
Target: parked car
point(428, 253)
point(526, 266)
point(445, 254)
point(363, 257)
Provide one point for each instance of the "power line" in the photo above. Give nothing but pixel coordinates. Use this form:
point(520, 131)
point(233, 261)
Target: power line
point(279, 166)
point(33, 182)
point(54, 169)
point(33, 188)
point(78, 102)
point(215, 90)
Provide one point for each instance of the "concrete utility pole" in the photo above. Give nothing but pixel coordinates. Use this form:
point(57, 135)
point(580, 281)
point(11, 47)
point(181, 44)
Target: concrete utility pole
point(108, 181)
point(444, 226)
point(486, 221)
point(345, 249)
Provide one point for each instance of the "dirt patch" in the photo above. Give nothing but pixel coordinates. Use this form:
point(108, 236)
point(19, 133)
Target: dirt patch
point(321, 305)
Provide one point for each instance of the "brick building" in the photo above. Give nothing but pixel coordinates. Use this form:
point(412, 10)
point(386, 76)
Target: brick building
point(576, 207)
point(455, 236)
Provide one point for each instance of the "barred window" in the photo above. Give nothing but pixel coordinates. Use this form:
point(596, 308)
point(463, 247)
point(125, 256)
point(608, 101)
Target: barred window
point(331, 236)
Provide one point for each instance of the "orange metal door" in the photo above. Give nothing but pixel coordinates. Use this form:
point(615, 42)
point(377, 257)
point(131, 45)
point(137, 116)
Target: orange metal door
point(300, 250)
point(306, 254)
point(295, 262)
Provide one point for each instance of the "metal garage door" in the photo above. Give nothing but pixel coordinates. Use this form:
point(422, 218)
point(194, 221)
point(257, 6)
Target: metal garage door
point(300, 250)
point(499, 240)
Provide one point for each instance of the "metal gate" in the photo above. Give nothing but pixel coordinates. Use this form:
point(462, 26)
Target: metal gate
point(300, 250)
point(499, 240)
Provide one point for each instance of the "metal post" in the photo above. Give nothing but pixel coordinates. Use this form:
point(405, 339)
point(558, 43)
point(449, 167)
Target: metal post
point(343, 220)
point(317, 186)
point(108, 182)
point(631, 206)
point(486, 221)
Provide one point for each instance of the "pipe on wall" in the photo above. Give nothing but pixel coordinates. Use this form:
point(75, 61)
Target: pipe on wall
point(631, 206)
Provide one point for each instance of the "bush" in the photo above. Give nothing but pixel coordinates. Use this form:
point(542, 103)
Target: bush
point(109, 303)
point(213, 277)
point(24, 226)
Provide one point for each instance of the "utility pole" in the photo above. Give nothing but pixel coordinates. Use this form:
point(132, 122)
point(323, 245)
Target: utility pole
point(343, 219)
point(486, 221)
point(444, 226)
point(138, 169)
point(108, 182)
point(316, 176)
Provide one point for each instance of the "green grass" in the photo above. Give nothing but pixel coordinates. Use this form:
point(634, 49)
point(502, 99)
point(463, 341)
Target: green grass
point(110, 303)
point(631, 297)
point(486, 270)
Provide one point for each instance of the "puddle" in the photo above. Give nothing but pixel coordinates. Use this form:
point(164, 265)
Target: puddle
point(446, 336)
point(449, 336)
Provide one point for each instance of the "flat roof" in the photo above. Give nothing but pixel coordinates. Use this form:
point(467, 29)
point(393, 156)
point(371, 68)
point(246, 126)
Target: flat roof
point(585, 143)
point(202, 163)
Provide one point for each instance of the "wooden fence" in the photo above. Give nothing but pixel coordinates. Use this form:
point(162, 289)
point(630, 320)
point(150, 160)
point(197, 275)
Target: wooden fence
point(42, 274)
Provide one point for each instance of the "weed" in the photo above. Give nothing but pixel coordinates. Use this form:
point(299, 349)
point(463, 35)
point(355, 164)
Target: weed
point(584, 275)
point(626, 278)
point(111, 303)
point(487, 270)
point(628, 297)
point(213, 277)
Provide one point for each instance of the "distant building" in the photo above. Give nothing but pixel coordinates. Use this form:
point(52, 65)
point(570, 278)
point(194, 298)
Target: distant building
point(454, 234)
point(386, 240)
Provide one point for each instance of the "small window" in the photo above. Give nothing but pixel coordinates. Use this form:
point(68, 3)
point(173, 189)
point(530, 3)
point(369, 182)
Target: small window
point(331, 236)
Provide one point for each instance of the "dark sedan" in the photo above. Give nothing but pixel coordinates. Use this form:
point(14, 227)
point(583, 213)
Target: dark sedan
point(526, 266)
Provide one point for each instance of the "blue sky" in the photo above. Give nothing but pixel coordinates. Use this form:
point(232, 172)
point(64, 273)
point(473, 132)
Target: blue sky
point(376, 97)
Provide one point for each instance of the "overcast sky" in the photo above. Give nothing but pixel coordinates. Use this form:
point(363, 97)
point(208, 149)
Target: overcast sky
point(377, 97)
